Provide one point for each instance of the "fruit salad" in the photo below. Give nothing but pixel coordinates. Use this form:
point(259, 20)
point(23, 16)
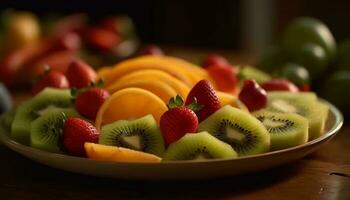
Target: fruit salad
point(156, 108)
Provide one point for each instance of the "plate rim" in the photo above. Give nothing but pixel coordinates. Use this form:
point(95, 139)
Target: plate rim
point(338, 122)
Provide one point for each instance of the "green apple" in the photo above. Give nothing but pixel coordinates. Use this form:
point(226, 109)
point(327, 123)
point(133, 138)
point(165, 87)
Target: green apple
point(308, 30)
point(336, 90)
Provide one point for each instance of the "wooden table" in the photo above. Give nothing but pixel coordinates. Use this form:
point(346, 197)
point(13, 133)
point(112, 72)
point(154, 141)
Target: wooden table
point(322, 175)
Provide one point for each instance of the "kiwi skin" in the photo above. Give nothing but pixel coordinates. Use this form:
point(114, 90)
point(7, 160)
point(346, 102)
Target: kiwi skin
point(255, 138)
point(192, 145)
point(111, 134)
point(46, 131)
point(289, 129)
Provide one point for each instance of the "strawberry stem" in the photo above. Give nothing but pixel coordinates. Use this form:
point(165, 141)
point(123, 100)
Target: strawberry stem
point(176, 101)
point(194, 105)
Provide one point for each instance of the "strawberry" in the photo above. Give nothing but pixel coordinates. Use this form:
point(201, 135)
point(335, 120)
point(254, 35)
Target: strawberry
point(204, 93)
point(89, 102)
point(75, 133)
point(50, 79)
point(152, 50)
point(304, 88)
point(102, 39)
point(70, 41)
point(280, 84)
point(178, 120)
point(80, 74)
point(215, 59)
point(253, 96)
point(225, 77)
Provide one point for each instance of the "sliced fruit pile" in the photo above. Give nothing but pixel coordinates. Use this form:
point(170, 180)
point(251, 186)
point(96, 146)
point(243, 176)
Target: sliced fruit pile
point(156, 107)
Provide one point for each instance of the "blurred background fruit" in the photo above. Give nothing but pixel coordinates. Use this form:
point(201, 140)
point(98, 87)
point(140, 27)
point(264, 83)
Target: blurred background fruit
point(23, 29)
point(283, 45)
point(336, 90)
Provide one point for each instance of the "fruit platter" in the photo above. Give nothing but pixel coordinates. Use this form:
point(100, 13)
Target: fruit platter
point(160, 117)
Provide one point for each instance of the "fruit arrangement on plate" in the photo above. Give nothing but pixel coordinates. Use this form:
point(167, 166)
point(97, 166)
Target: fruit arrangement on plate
point(155, 108)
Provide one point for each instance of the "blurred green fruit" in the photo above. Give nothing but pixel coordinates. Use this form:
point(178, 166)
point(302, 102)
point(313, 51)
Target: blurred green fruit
point(343, 56)
point(248, 72)
point(295, 73)
point(273, 58)
point(314, 58)
point(308, 30)
point(336, 90)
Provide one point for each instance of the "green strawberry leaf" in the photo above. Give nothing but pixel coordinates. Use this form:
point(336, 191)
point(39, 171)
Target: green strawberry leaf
point(195, 106)
point(175, 102)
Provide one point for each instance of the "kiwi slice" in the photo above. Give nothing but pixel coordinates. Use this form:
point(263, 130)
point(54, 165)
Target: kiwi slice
point(47, 130)
point(324, 111)
point(286, 129)
point(240, 129)
point(7, 120)
point(37, 106)
point(142, 134)
point(199, 146)
point(303, 104)
point(248, 72)
point(308, 96)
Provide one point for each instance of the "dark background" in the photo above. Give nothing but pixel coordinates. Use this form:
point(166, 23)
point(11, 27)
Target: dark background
point(210, 24)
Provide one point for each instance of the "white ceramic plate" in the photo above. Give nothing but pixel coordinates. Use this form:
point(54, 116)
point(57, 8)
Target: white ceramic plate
point(178, 169)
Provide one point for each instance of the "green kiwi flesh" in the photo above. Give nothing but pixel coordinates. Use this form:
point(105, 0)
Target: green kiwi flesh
point(307, 96)
point(141, 134)
point(240, 129)
point(303, 104)
point(32, 109)
point(7, 120)
point(199, 146)
point(46, 131)
point(259, 76)
point(286, 129)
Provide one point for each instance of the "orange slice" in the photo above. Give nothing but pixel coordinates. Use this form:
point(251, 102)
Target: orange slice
point(145, 62)
point(159, 88)
point(130, 103)
point(152, 75)
point(119, 154)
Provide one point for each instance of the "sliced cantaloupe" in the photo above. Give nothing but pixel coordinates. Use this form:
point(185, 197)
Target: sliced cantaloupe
point(118, 154)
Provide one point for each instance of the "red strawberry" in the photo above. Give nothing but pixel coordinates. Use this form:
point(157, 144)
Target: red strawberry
point(205, 95)
point(70, 41)
point(279, 84)
point(89, 102)
point(304, 88)
point(215, 59)
point(177, 121)
point(152, 50)
point(225, 77)
point(102, 39)
point(75, 133)
point(253, 96)
point(80, 74)
point(51, 79)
